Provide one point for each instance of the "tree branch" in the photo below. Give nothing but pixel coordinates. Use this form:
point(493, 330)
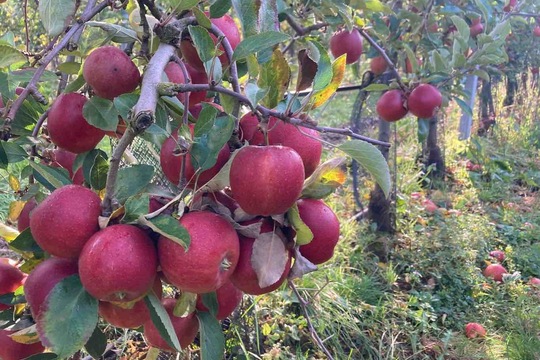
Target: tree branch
point(6, 127)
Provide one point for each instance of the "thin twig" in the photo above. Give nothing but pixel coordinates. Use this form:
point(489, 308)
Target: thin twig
point(151, 6)
point(303, 304)
point(25, 11)
point(146, 29)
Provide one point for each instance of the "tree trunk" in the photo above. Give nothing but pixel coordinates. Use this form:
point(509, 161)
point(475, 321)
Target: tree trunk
point(432, 151)
point(511, 88)
point(487, 116)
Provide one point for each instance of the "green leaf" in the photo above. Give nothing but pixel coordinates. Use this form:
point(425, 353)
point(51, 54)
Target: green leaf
point(462, 27)
point(376, 87)
point(134, 207)
point(132, 180)
point(274, 76)
point(304, 235)
point(116, 33)
point(43, 356)
point(15, 153)
point(162, 321)
point(75, 84)
point(185, 5)
point(185, 304)
point(70, 318)
point(124, 103)
point(71, 67)
point(219, 8)
point(212, 339)
point(50, 177)
point(254, 93)
point(203, 42)
point(169, 227)
point(9, 55)
point(98, 172)
point(324, 65)
point(25, 75)
point(482, 74)
point(247, 11)
point(97, 344)
point(322, 96)
point(371, 159)
point(423, 129)
point(87, 161)
point(4, 161)
point(55, 14)
point(207, 145)
point(25, 243)
point(464, 106)
point(13, 298)
point(210, 301)
point(202, 19)
point(258, 42)
point(101, 113)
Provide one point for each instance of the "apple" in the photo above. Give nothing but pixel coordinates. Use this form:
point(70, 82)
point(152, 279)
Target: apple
point(476, 29)
point(118, 263)
point(390, 106)
point(227, 25)
point(129, 318)
point(424, 101)
point(430, 206)
point(61, 158)
point(535, 70)
point(378, 65)
point(176, 75)
point(324, 225)
point(408, 65)
point(210, 259)
point(186, 328)
point(495, 271)
point(536, 31)
point(171, 163)
point(302, 140)
point(12, 350)
point(23, 222)
point(10, 279)
point(67, 126)
point(473, 330)
point(110, 72)
point(345, 42)
point(228, 299)
point(498, 254)
point(266, 180)
point(65, 220)
point(534, 282)
point(510, 6)
point(42, 280)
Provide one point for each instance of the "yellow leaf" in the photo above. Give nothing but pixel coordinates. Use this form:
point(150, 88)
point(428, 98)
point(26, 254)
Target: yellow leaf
point(322, 96)
point(15, 208)
point(14, 183)
point(8, 233)
point(335, 175)
point(26, 336)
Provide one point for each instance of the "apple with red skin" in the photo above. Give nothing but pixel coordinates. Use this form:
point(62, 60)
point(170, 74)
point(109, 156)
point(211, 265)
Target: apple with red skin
point(129, 318)
point(266, 180)
point(110, 72)
point(378, 65)
point(324, 225)
point(210, 259)
point(227, 25)
point(176, 75)
point(408, 65)
point(244, 276)
point(498, 254)
point(10, 279)
point(474, 330)
point(12, 350)
point(186, 328)
point(171, 164)
point(67, 126)
point(61, 158)
point(510, 6)
point(196, 109)
point(349, 43)
point(65, 220)
point(23, 222)
point(228, 299)
point(390, 106)
point(43, 278)
point(495, 271)
point(302, 140)
point(476, 29)
point(424, 101)
point(535, 70)
point(534, 282)
point(430, 206)
point(118, 263)
point(536, 31)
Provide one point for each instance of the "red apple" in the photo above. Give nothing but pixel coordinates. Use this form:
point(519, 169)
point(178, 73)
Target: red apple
point(110, 72)
point(186, 329)
point(498, 254)
point(473, 330)
point(210, 259)
point(129, 318)
point(12, 350)
point(23, 222)
point(175, 75)
point(408, 66)
point(324, 225)
point(171, 164)
point(266, 180)
point(302, 140)
point(534, 282)
point(118, 263)
point(345, 42)
point(476, 29)
point(64, 159)
point(378, 65)
point(228, 299)
point(536, 31)
point(390, 106)
point(227, 25)
point(65, 220)
point(495, 271)
point(430, 206)
point(196, 109)
point(535, 70)
point(10, 279)
point(67, 126)
point(424, 101)
point(43, 279)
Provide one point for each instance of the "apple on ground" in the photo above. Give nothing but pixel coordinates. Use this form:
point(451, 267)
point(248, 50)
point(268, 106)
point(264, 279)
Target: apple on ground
point(474, 330)
point(534, 282)
point(430, 206)
point(498, 254)
point(495, 271)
